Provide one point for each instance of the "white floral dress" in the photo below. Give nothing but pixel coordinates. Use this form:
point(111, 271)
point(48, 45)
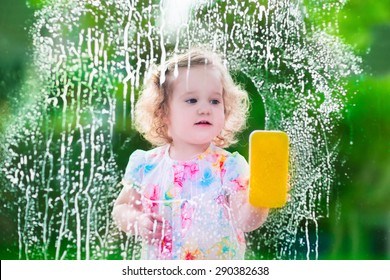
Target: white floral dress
point(193, 198)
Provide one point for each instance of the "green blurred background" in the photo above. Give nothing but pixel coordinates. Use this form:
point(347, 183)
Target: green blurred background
point(359, 222)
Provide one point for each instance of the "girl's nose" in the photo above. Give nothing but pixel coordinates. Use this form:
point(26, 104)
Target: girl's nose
point(204, 110)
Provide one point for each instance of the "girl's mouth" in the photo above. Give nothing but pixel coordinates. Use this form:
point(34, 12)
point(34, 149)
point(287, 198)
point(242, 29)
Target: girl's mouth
point(203, 123)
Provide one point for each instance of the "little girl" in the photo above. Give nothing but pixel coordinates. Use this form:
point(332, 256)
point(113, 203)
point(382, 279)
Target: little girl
point(188, 198)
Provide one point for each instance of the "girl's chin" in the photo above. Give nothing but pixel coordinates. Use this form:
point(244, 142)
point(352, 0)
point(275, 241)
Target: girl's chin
point(203, 142)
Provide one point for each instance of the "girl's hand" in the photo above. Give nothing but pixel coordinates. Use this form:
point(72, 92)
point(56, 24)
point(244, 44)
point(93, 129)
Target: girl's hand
point(153, 227)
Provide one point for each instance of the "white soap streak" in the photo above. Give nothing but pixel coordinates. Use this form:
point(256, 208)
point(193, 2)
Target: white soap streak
point(162, 44)
point(45, 229)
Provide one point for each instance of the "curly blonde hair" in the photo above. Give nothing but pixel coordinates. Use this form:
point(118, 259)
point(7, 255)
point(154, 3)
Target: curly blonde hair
point(152, 107)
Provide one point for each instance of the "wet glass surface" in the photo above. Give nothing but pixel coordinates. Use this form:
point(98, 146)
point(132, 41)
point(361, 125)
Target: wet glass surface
point(67, 105)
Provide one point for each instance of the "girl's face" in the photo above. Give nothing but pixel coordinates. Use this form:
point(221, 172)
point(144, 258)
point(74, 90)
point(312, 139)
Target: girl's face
point(196, 109)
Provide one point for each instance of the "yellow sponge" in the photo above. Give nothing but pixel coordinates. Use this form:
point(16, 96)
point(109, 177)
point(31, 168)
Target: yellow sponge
point(268, 160)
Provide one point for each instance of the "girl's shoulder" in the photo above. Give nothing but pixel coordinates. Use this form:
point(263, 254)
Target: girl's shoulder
point(234, 170)
point(141, 163)
point(229, 157)
point(149, 156)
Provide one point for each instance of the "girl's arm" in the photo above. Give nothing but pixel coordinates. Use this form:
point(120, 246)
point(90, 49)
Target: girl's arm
point(246, 217)
point(127, 209)
point(130, 217)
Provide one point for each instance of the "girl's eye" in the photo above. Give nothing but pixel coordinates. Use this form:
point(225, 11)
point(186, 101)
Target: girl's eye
point(191, 100)
point(215, 101)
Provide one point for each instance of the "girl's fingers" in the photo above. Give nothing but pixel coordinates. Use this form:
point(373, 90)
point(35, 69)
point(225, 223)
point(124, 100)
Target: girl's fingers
point(157, 217)
point(154, 223)
point(153, 228)
point(154, 237)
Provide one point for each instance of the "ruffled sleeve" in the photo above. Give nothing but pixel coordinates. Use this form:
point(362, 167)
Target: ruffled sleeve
point(135, 170)
point(236, 174)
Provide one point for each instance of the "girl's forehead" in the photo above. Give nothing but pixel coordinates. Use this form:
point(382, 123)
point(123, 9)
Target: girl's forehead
point(198, 73)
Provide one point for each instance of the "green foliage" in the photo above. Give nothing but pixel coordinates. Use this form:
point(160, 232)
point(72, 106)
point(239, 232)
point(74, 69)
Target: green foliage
point(358, 18)
point(37, 4)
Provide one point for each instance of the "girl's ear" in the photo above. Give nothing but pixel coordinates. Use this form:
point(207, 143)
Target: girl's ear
point(165, 119)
